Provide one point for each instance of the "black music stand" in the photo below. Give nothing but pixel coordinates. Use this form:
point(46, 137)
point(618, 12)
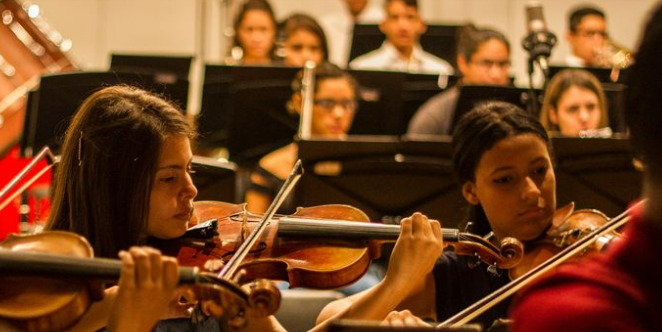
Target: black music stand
point(596, 173)
point(52, 106)
point(244, 109)
point(383, 176)
point(440, 40)
point(602, 74)
point(473, 95)
point(380, 103)
point(177, 66)
point(216, 180)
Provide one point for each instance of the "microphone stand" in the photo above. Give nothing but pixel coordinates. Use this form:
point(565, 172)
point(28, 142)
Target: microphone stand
point(539, 44)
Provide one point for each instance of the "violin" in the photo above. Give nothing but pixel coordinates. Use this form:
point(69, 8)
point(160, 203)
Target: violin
point(321, 247)
point(49, 280)
point(573, 235)
point(568, 226)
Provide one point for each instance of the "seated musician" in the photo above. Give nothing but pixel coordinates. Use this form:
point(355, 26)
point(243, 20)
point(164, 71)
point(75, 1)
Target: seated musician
point(302, 39)
point(255, 38)
point(123, 178)
point(333, 111)
point(502, 160)
point(483, 57)
point(403, 26)
point(618, 290)
point(575, 105)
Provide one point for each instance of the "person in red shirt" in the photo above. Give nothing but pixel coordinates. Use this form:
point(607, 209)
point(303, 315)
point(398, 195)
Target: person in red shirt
point(619, 290)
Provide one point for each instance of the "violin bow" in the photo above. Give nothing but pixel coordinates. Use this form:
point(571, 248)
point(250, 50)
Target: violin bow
point(509, 289)
point(231, 267)
point(44, 153)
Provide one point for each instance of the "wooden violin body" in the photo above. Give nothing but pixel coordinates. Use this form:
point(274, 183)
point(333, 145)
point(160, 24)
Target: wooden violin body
point(320, 247)
point(49, 280)
point(568, 226)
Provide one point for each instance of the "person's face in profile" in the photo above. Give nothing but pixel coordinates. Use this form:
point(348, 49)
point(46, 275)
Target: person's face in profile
point(302, 46)
point(589, 38)
point(256, 34)
point(403, 25)
point(578, 109)
point(490, 64)
point(172, 192)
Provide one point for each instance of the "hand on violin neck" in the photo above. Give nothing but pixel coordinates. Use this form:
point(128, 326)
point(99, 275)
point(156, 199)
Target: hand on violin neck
point(417, 249)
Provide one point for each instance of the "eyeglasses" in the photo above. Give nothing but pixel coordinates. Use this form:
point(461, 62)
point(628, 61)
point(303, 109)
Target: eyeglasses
point(592, 33)
point(489, 64)
point(348, 105)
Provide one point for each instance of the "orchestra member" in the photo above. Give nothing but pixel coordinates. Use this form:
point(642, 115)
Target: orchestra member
point(587, 33)
point(334, 106)
point(619, 289)
point(401, 51)
point(483, 57)
point(303, 40)
point(255, 34)
point(502, 161)
point(574, 104)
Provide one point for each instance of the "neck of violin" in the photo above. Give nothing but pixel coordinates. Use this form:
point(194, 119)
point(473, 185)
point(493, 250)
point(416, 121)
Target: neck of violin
point(61, 266)
point(334, 229)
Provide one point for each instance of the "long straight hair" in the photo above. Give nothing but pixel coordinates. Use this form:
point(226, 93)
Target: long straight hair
point(109, 158)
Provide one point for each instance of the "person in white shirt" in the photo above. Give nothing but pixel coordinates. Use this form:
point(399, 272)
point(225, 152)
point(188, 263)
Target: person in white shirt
point(401, 51)
point(339, 26)
point(587, 35)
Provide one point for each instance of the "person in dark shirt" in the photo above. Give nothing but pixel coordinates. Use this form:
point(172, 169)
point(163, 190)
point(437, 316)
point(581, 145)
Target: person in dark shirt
point(619, 290)
point(503, 164)
point(483, 57)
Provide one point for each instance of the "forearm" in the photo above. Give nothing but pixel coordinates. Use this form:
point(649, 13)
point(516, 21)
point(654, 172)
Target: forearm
point(373, 304)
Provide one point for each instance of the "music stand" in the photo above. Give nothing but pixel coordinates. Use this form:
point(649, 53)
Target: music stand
point(440, 40)
point(215, 180)
point(244, 109)
point(383, 176)
point(380, 103)
point(602, 74)
point(53, 105)
point(596, 173)
point(177, 66)
point(473, 95)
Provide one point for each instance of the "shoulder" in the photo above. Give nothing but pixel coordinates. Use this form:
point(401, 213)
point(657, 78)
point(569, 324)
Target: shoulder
point(436, 64)
point(280, 162)
point(435, 115)
point(579, 298)
point(372, 60)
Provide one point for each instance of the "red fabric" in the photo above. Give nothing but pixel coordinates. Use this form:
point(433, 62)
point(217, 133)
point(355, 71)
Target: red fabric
point(620, 290)
point(10, 165)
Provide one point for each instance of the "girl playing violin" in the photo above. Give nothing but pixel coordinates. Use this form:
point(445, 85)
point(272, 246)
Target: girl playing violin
point(502, 160)
point(620, 289)
point(123, 178)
